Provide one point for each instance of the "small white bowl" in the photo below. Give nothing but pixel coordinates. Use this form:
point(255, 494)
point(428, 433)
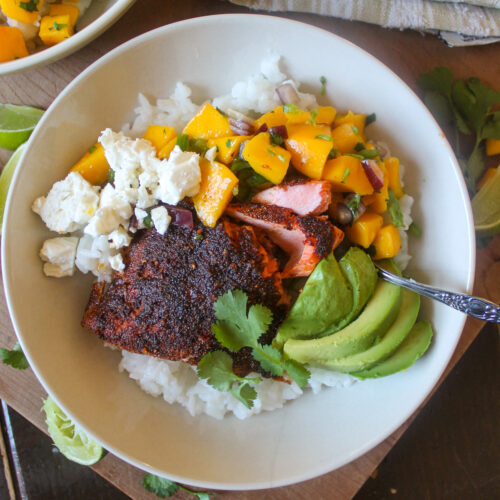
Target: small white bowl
point(99, 17)
point(309, 436)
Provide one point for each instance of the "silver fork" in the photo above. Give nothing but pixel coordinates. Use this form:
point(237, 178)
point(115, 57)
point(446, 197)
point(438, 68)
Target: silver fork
point(473, 306)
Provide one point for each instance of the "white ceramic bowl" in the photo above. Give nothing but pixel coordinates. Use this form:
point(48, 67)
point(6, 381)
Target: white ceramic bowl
point(99, 17)
point(309, 436)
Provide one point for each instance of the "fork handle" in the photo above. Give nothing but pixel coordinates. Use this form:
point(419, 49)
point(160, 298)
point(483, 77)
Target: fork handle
point(473, 306)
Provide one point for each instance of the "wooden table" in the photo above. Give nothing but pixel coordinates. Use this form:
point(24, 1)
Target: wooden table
point(408, 54)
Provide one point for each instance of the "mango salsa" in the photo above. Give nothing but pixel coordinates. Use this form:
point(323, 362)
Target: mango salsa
point(266, 159)
point(347, 175)
point(14, 9)
point(159, 136)
point(387, 242)
point(227, 147)
point(364, 230)
point(55, 29)
point(309, 146)
point(12, 45)
point(208, 123)
point(216, 191)
point(93, 165)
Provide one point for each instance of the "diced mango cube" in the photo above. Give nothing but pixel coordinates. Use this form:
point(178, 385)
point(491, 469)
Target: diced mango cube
point(159, 135)
point(326, 115)
point(227, 147)
point(392, 165)
point(492, 147)
point(353, 119)
point(347, 175)
point(309, 146)
point(59, 9)
point(208, 123)
point(345, 138)
point(266, 159)
point(294, 114)
point(216, 191)
point(274, 118)
point(165, 151)
point(55, 29)
point(387, 242)
point(12, 45)
point(364, 230)
point(16, 9)
point(93, 166)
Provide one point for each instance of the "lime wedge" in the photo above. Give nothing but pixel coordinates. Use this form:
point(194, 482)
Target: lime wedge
point(6, 177)
point(71, 441)
point(16, 124)
point(486, 207)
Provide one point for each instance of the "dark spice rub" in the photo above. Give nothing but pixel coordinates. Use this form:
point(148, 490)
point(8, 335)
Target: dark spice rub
point(162, 304)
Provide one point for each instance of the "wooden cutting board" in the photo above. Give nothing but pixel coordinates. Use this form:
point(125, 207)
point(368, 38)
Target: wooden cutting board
point(408, 54)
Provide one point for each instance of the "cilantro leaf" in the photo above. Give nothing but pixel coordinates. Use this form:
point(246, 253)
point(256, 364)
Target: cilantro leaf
point(314, 114)
point(415, 230)
point(161, 487)
point(245, 393)
point(269, 358)
point(395, 209)
point(354, 203)
point(235, 329)
point(491, 129)
point(14, 357)
point(440, 106)
point(165, 488)
point(217, 368)
point(297, 372)
point(371, 118)
point(29, 6)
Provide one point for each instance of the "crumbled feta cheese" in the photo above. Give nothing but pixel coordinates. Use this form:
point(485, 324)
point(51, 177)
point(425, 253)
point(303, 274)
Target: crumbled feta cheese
point(69, 205)
point(161, 219)
point(140, 215)
point(59, 256)
point(179, 176)
point(119, 238)
point(114, 210)
point(93, 255)
point(116, 262)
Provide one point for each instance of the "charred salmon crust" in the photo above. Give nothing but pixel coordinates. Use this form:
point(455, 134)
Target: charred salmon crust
point(162, 303)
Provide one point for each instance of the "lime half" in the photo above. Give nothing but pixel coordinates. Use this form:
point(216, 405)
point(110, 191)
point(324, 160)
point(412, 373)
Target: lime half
point(6, 177)
point(486, 207)
point(71, 441)
point(16, 124)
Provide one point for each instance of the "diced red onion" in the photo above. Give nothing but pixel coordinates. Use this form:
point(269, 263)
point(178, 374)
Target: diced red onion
point(280, 130)
point(262, 128)
point(180, 216)
point(287, 94)
point(374, 174)
point(241, 126)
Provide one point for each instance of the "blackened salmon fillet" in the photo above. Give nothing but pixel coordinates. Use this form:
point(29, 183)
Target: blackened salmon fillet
point(162, 303)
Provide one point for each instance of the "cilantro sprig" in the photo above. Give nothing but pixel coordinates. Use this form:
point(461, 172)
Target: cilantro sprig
point(14, 357)
point(395, 209)
point(238, 326)
point(468, 105)
point(165, 488)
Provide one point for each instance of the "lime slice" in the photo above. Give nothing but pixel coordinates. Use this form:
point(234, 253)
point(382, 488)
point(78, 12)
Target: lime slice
point(16, 124)
point(486, 207)
point(6, 177)
point(71, 441)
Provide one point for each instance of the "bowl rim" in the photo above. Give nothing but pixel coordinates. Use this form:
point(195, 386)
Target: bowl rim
point(72, 44)
point(370, 444)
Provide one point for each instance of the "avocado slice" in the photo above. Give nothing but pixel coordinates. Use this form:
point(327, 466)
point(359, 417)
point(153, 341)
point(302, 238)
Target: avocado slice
point(377, 316)
point(408, 312)
point(325, 300)
point(358, 268)
point(412, 347)
point(332, 297)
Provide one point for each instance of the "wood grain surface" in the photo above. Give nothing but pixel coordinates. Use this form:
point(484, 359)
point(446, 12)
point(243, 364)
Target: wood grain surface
point(408, 54)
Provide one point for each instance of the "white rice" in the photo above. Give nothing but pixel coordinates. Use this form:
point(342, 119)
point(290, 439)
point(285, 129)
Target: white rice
point(175, 381)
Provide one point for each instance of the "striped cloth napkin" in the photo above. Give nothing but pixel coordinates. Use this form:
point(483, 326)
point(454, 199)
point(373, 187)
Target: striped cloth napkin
point(457, 22)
